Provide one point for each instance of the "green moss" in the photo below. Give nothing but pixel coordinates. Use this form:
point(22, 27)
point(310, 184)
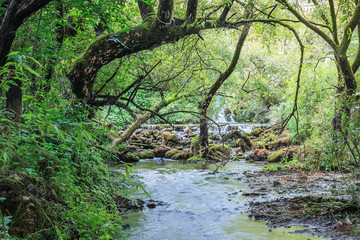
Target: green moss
point(171, 153)
point(130, 157)
point(276, 156)
point(162, 126)
point(256, 132)
point(170, 137)
point(178, 156)
point(237, 158)
point(196, 158)
point(145, 155)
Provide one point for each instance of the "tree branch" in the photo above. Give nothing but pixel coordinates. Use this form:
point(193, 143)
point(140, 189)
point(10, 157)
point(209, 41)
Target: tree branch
point(110, 78)
point(191, 11)
point(226, 11)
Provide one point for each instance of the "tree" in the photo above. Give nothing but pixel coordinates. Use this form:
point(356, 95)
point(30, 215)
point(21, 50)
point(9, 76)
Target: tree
point(158, 29)
point(205, 103)
point(339, 44)
point(16, 12)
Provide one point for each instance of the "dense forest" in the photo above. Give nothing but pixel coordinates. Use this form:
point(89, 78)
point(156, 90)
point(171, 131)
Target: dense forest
point(87, 86)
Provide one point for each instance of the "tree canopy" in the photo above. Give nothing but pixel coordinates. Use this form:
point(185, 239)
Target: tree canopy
point(78, 77)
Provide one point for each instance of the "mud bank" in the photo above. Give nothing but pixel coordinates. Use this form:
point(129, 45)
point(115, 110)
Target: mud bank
point(320, 202)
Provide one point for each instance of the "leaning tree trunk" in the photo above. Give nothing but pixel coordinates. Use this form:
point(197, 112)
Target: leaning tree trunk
point(204, 105)
point(146, 116)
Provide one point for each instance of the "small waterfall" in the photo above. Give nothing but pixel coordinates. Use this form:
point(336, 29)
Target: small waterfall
point(226, 115)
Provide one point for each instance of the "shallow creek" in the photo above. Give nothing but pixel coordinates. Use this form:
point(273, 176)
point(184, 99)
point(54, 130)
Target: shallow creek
point(199, 204)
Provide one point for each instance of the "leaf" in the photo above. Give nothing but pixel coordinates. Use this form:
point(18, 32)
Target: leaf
point(79, 136)
point(31, 71)
point(88, 135)
point(5, 157)
point(127, 171)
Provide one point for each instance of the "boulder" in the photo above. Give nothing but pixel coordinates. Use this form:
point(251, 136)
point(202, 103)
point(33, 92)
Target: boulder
point(237, 158)
point(195, 159)
point(239, 151)
point(219, 152)
point(243, 144)
point(236, 134)
point(256, 132)
point(286, 153)
point(169, 137)
point(178, 156)
point(258, 155)
point(279, 143)
point(160, 151)
point(171, 153)
point(129, 158)
point(145, 155)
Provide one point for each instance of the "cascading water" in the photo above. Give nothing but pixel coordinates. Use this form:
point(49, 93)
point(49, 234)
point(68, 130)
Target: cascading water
point(226, 122)
point(226, 115)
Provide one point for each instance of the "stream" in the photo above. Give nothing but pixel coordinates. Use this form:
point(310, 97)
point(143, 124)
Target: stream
point(199, 204)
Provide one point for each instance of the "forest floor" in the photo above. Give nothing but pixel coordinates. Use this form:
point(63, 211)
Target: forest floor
point(321, 202)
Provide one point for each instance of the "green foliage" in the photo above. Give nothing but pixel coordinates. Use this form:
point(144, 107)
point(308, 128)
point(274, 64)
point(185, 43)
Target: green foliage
point(195, 159)
point(5, 222)
point(286, 165)
point(56, 148)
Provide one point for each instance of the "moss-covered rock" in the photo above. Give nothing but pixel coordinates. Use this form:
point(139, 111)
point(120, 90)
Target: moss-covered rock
point(236, 135)
point(130, 148)
point(258, 155)
point(130, 158)
point(178, 156)
point(244, 144)
point(279, 143)
point(276, 156)
point(171, 153)
point(256, 132)
point(196, 158)
point(163, 126)
point(145, 155)
point(169, 137)
point(160, 151)
point(237, 157)
point(218, 152)
point(259, 145)
point(281, 154)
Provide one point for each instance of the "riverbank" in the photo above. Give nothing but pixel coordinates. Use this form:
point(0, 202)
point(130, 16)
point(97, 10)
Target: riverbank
point(321, 202)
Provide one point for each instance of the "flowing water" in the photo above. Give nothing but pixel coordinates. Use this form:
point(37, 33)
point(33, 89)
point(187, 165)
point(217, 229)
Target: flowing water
point(199, 204)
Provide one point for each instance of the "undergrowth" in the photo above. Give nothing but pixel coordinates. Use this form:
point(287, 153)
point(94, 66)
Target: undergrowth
point(59, 147)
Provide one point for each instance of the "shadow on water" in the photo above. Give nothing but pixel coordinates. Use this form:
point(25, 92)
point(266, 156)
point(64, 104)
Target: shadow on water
point(200, 204)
